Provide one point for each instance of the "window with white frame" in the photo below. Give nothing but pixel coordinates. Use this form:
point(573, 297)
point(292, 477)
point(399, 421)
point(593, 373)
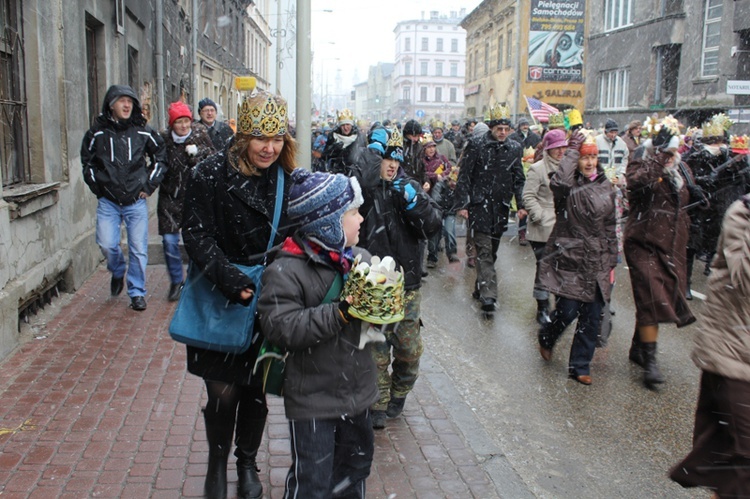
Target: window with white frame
point(453, 94)
point(425, 44)
point(438, 69)
point(454, 69)
point(438, 94)
point(509, 48)
point(617, 14)
point(423, 94)
point(423, 68)
point(407, 44)
point(439, 47)
point(500, 49)
point(454, 44)
point(486, 57)
point(407, 93)
point(711, 38)
point(613, 89)
point(407, 69)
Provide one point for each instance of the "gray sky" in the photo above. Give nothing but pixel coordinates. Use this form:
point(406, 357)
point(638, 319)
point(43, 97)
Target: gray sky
point(360, 33)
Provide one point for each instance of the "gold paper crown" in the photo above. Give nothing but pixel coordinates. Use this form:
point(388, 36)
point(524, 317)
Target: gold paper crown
point(437, 124)
point(652, 125)
point(395, 140)
point(377, 290)
point(262, 115)
point(453, 175)
point(716, 127)
point(425, 138)
point(574, 117)
point(497, 112)
point(345, 117)
point(739, 143)
point(556, 120)
point(528, 154)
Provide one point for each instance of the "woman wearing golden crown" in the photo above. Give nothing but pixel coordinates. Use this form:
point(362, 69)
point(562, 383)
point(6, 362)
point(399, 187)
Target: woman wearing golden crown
point(229, 207)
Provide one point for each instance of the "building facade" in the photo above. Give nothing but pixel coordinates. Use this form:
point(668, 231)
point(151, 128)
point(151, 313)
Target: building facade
point(518, 49)
point(428, 77)
point(52, 86)
point(689, 58)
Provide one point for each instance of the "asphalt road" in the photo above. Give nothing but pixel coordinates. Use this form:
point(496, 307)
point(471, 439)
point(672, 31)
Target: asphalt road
point(562, 439)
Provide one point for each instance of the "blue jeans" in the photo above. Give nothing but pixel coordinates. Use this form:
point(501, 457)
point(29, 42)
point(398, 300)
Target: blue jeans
point(587, 329)
point(330, 457)
point(449, 234)
point(109, 219)
point(172, 256)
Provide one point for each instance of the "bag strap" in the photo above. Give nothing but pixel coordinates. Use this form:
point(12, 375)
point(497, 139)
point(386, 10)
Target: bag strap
point(277, 206)
point(335, 289)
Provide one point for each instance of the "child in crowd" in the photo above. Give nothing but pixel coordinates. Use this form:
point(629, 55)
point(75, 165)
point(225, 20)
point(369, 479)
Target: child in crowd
point(444, 195)
point(329, 383)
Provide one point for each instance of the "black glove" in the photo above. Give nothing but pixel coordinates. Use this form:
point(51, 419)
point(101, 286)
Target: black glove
point(344, 310)
point(575, 141)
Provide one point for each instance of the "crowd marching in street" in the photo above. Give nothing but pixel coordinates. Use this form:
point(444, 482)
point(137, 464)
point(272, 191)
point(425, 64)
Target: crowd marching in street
point(651, 196)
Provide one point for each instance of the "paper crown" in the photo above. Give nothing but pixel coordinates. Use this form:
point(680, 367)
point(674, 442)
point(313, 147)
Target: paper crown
point(589, 143)
point(556, 120)
point(425, 138)
point(717, 125)
point(437, 124)
point(528, 154)
point(377, 290)
point(262, 114)
point(653, 125)
point(693, 131)
point(739, 144)
point(572, 117)
point(453, 175)
point(345, 117)
point(497, 112)
point(395, 140)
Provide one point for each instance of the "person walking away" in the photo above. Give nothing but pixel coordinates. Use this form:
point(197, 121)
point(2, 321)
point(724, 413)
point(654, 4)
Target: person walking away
point(491, 173)
point(113, 155)
point(220, 132)
point(580, 254)
point(227, 219)
point(656, 235)
point(329, 383)
point(399, 217)
point(187, 144)
point(720, 457)
point(540, 205)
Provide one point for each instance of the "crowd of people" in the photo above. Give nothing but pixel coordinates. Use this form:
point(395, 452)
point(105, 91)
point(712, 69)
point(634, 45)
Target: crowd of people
point(585, 201)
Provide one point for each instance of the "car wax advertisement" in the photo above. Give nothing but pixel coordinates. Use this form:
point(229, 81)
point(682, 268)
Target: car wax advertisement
point(556, 34)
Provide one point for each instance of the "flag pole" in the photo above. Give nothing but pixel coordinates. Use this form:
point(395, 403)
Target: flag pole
point(528, 108)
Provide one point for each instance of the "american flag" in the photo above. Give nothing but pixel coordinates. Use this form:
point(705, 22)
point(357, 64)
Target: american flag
point(539, 110)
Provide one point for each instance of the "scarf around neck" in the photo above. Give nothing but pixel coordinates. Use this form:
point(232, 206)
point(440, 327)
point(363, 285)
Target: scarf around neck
point(339, 261)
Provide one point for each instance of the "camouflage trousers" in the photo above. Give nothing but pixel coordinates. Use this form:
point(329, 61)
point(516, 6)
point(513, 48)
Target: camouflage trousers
point(405, 340)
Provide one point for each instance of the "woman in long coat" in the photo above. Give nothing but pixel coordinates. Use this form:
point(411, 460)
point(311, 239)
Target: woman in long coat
point(656, 237)
point(229, 207)
point(187, 143)
point(580, 255)
point(720, 458)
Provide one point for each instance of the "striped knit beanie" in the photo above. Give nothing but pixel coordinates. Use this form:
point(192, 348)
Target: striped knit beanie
point(318, 201)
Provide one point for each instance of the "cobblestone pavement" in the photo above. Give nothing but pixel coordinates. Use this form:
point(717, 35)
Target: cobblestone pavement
point(98, 404)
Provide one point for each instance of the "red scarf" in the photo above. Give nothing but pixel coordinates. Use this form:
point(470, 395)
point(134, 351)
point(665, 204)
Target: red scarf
point(340, 261)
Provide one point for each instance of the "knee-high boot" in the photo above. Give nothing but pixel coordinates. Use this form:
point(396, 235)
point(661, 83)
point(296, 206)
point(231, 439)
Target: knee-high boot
point(248, 438)
point(219, 435)
point(636, 350)
point(651, 373)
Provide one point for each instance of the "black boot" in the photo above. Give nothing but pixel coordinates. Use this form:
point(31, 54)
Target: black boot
point(219, 434)
point(542, 312)
point(636, 352)
point(247, 440)
point(651, 373)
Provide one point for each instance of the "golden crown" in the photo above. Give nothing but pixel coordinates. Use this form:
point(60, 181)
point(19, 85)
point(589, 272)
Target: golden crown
point(716, 127)
point(556, 120)
point(262, 115)
point(377, 290)
point(395, 140)
point(345, 117)
point(497, 112)
point(437, 124)
point(425, 138)
point(739, 143)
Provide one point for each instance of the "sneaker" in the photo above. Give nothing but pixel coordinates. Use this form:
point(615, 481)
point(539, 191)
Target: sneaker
point(395, 407)
point(175, 290)
point(116, 285)
point(378, 420)
point(138, 303)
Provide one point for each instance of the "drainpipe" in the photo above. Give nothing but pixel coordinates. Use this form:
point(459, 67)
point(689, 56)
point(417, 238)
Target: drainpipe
point(159, 56)
point(195, 55)
point(304, 86)
point(517, 62)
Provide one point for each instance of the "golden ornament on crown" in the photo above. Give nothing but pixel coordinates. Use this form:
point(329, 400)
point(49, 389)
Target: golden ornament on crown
point(377, 290)
point(739, 143)
point(497, 112)
point(717, 125)
point(395, 140)
point(345, 117)
point(262, 114)
point(556, 120)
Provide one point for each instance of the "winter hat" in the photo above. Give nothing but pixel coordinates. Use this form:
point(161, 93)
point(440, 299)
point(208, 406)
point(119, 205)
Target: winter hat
point(480, 129)
point(318, 201)
point(521, 122)
point(611, 125)
point(554, 139)
point(178, 110)
point(206, 102)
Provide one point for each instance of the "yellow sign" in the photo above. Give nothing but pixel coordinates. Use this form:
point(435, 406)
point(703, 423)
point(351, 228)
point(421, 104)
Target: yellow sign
point(245, 83)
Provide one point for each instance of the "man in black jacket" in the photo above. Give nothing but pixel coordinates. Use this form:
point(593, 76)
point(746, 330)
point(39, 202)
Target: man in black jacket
point(491, 173)
point(220, 132)
point(113, 154)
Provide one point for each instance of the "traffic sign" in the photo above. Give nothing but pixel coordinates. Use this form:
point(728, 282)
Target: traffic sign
point(419, 113)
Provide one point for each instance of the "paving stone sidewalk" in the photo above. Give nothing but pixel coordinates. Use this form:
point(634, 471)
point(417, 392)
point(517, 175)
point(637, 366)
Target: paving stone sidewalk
point(99, 404)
